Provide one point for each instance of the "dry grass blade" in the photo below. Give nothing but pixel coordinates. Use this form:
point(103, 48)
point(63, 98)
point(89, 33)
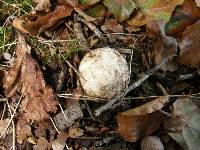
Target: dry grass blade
point(13, 124)
point(12, 116)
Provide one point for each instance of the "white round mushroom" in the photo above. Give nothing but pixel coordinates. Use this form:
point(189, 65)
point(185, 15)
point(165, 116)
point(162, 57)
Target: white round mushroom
point(104, 73)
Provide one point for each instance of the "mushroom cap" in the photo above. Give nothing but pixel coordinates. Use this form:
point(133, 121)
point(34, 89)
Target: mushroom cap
point(104, 73)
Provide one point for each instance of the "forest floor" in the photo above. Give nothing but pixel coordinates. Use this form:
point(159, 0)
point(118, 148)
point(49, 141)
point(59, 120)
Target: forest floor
point(43, 102)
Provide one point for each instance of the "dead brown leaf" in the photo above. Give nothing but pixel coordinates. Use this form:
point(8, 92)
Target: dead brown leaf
point(44, 22)
point(190, 46)
point(18, 24)
point(23, 131)
point(75, 132)
point(183, 16)
point(26, 77)
point(164, 46)
point(140, 121)
point(112, 25)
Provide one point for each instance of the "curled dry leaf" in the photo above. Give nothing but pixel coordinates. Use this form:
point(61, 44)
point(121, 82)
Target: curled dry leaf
point(140, 121)
point(190, 46)
point(44, 22)
point(185, 123)
point(153, 10)
point(183, 16)
point(164, 46)
point(121, 9)
point(42, 5)
point(26, 77)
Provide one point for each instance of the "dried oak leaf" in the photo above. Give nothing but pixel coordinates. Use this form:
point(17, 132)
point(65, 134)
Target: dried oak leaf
point(26, 77)
point(190, 46)
point(140, 121)
point(186, 118)
point(153, 10)
point(39, 99)
point(164, 46)
point(23, 131)
point(121, 9)
point(183, 16)
point(44, 22)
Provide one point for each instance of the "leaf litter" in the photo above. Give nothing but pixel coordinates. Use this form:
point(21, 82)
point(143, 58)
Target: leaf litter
point(48, 107)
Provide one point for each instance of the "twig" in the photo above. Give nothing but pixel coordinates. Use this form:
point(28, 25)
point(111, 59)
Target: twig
point(54, 125)
point(79, 11)
point(187, 76)
point(88, 109)
point(13, 124)
point(79, 35)
point(81, 97)
point(137, 83)
point(163, 90)
point(90, 25)
point(71, 66)
point(12, 116)
point(3, 99)
point(54, 41)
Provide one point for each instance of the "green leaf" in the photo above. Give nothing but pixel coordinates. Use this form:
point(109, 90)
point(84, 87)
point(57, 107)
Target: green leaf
point(121, 9)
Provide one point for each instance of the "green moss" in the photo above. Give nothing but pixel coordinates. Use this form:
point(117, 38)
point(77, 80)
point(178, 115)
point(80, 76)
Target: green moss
point(42, 50)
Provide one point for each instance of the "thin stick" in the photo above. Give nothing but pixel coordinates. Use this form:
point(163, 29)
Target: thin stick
point(79, 11)
point(131, 61)
point(137, 83)
point(71, 66)
point(13, 124)
point(91, 26)
point(54, 125)
point(12, 116)
point(79, 35)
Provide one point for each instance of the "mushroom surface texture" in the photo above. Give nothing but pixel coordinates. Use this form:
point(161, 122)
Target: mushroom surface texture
point(104, 73)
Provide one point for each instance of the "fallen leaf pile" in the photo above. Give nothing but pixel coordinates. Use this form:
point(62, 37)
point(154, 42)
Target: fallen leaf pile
point(42, 102)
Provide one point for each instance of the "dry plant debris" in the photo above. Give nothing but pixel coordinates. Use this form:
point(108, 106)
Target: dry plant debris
point(152, 96)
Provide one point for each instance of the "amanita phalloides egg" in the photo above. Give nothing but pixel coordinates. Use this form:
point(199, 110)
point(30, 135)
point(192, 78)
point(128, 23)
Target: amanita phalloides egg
point(104, 73)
